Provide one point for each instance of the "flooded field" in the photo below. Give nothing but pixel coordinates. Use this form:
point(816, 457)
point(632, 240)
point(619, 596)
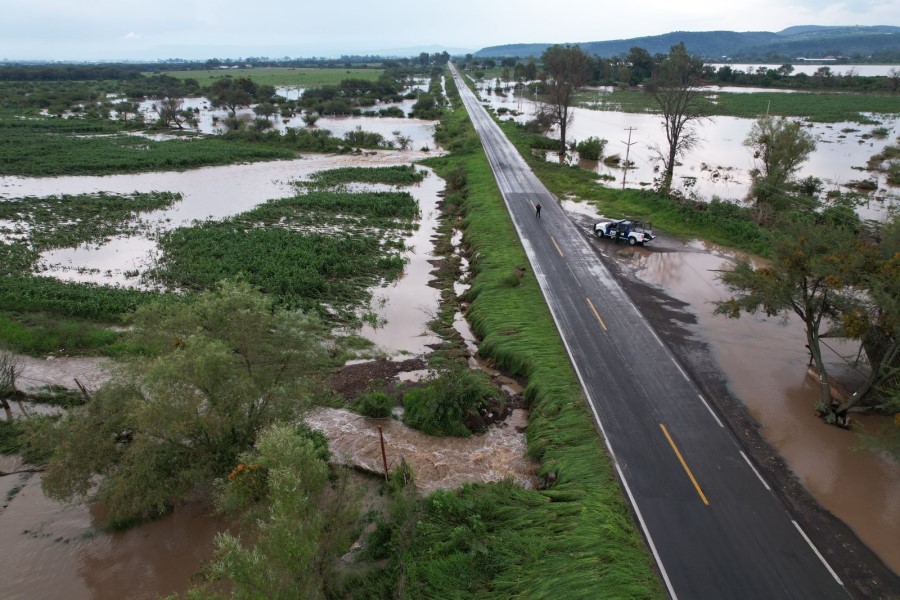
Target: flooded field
point(55, 551)
point(765, 361)
point(720, 165)
point(62, 551)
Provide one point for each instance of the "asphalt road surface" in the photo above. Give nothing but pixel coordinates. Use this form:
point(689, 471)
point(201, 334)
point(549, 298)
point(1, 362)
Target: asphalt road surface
point(712, 523)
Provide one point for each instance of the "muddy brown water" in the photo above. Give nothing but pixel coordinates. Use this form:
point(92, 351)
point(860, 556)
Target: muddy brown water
point(765, 361)
point(719, 166)
point(61, 551)
point(437, 462)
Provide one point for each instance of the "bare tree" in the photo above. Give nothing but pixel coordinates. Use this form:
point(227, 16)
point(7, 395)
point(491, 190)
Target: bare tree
point(170, 112)
point(11, 367)
point(682, 104)
point(567, 70)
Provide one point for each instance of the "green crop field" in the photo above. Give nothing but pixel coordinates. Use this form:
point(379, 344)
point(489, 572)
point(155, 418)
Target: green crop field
point(300, 77)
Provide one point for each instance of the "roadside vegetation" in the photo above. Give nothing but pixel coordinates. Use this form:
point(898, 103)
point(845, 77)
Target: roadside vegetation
point(833, 271)
point(572, 538)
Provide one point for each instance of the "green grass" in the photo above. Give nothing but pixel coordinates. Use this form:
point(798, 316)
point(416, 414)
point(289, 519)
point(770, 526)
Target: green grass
point(719, 222)
point(66, 221)
point(819, 107)
point(39, 334)
point(398, 175)
point(51, 147)
point(22, 293)
point(302, 269)
point(281, 76)
point(574, 539)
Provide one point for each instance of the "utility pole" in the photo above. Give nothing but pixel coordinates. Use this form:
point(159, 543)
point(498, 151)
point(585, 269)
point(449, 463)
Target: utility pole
point(628, 145)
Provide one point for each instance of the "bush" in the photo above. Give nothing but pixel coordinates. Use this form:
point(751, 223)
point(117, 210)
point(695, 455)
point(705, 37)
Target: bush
point(591, 148)
point(375, 404)
point(445, 402)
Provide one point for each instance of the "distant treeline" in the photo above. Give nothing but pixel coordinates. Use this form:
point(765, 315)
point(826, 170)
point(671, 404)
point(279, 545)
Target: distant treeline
point(130, 71)
point(639, 66)
point(71, 72)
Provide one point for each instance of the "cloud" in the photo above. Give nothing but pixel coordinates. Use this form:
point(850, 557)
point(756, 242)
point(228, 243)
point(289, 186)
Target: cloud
point(133, 36)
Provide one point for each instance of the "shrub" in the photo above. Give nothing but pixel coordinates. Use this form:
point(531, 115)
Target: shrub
point(591, 148)
point(375, 404)
point(443, 404)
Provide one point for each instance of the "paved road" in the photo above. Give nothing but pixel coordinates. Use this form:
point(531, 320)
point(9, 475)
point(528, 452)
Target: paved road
point(713, 525)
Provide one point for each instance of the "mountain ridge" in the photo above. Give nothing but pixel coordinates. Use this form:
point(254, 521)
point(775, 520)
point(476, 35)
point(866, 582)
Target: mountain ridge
point(792, 42)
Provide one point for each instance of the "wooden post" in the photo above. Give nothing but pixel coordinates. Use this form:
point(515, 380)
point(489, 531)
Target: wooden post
point(383, 455)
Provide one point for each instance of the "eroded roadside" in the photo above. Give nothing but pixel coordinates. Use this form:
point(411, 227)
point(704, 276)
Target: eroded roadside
point(864, 573)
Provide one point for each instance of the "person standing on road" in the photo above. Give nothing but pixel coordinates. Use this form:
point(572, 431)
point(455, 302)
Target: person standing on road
point(537, 210)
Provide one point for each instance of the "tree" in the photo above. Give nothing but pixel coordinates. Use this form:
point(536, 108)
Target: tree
point(225, 367)
point(641, 65)
point(266, 110)
point(874, 319)
point(567, 70)
point(310, 118)
point(11, 368)
point(813, 266)
point(301, 520)
point(779, 147)
point(682, 104)
point(232, 94)
point(171, 112)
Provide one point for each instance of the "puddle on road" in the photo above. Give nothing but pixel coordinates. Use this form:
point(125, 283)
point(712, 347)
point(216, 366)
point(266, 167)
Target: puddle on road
point(765, 363)
point(438, 462)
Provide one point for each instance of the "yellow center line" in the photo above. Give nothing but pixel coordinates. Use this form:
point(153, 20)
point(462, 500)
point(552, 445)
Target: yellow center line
point(557, 245)
point(684, 464)
point(596, 314)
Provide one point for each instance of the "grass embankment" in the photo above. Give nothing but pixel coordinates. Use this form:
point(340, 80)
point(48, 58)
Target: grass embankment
point(818, 107)
point(305, 77)
point(574, 539)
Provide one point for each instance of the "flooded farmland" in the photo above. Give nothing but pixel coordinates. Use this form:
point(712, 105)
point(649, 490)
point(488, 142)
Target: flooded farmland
point(62, 551)
point(765, 361)
point(719, 166)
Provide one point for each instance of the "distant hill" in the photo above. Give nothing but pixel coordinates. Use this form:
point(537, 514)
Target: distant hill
point(803, 40)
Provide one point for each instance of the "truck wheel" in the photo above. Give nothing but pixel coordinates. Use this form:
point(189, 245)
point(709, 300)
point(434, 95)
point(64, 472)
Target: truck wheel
point(632, 241)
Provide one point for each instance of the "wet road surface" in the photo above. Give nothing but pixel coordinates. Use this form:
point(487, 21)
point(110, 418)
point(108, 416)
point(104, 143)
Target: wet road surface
point(712, 523)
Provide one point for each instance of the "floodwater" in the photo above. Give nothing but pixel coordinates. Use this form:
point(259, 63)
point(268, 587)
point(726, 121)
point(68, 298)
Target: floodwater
point(719, 166)
point(208, 193)
point(61, 551)
point(861, 70)
point(765, 363)
point(409, 303)
point(437, 462)
point(211, 121)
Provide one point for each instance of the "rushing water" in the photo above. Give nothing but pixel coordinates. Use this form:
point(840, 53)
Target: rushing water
point(437, 462)
point(765, 362)
point(719, 166)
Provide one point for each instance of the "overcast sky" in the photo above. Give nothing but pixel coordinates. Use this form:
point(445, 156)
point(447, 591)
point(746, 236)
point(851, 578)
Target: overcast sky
point(159, 29)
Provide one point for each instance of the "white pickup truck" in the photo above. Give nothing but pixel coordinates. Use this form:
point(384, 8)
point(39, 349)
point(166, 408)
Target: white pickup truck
point(636, 232)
